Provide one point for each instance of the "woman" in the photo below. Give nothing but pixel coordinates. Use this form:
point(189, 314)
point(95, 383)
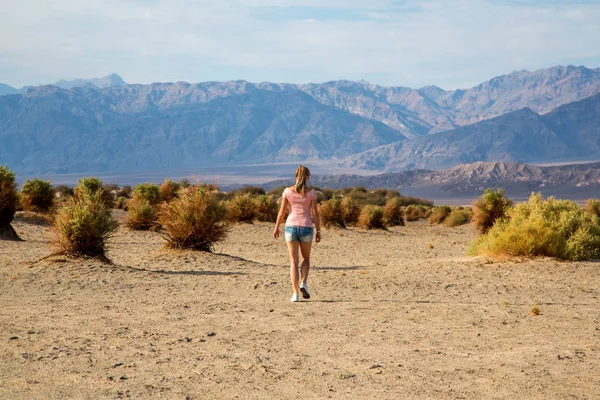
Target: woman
point(299, 228)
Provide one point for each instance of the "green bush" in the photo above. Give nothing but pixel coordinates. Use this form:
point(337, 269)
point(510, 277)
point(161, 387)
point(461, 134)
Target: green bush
point(458, 216)
point(553, 228)
point(194, 220)
point(9, 202)
point(350, 211)
point(392, 212)
point(147, 191)
point(241, 208)
point(251, 190)
point(84, 224)
point(94, 185)
point(331, 213)
point(593, 206)
point(37, 195)
point(489, 208)
point(439, 214)
point(266, 208)
point(371, 217)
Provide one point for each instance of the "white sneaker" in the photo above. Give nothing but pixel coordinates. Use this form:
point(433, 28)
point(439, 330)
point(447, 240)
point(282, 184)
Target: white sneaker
point(304, 290)
point(295, 298)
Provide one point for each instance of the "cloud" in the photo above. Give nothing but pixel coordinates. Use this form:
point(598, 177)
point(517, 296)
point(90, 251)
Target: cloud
point(410, 43)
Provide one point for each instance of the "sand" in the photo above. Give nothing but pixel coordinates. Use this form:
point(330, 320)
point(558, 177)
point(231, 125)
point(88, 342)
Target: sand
point(396, 314)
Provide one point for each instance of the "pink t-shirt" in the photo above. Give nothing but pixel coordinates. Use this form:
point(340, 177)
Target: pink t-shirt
point(299, 207)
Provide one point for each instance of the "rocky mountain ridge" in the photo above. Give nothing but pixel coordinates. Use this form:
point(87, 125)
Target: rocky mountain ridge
point(569, 132)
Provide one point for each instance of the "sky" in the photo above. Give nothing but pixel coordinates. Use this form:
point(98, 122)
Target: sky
point(449, 43)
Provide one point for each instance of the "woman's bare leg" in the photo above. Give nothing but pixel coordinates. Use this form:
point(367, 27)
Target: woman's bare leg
point(293, 249)
point(305, 266)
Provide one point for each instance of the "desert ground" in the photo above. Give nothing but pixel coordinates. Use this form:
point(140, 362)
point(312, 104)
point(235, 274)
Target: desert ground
point(395, 314)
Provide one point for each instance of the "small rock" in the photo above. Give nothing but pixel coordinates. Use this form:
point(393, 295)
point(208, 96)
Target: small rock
point(14, 338)
point(211, 334)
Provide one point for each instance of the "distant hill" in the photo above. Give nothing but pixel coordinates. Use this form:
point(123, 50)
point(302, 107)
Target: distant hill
point(578, 181)
point(570, 132)
point(5, 89)
point(104, 82)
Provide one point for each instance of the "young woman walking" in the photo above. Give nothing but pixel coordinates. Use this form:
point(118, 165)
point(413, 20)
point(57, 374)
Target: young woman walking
point(299, 229)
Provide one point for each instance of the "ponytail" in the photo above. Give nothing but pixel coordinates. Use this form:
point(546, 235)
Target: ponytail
point(302, 175)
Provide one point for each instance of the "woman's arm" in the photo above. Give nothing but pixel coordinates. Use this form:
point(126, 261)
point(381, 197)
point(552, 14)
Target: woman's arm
point(316, 218)
point(284, 203)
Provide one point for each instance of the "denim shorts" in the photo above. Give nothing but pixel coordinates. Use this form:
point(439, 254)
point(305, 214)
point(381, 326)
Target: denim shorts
point(303, 234)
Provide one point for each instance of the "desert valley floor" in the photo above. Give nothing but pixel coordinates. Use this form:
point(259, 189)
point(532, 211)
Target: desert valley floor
point(394, 314)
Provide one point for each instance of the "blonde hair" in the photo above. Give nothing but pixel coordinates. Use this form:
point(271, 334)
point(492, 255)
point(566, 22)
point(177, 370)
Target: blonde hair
point(302, 175)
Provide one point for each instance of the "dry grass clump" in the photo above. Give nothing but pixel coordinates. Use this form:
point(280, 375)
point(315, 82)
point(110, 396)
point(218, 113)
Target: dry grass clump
point(371, 217)
point(94, 185)
point(458, 216)
point(593, 206)
point(37, 196)
point(141, 215)
point(415, 212)
point(439, 214)
point(84, 224)
point(553, 228)
point(350, 211)
point(194, 220)
point(241, 208)
point(489, 208)
point(331, 213)
point(9, 201)
point(392, 212)
point(141, 210)
point(122, 203)
point(266, 208)
point(168, 190)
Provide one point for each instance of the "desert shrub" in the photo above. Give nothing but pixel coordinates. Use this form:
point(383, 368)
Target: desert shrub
point(141, 215)
point(276, 192)
point(371, 217)
point(414, 212)
point(458, 216)
point(241, 208)
point(37, 195)
point(185, 183)
point(94, 185)
point(392, 212)
point(168, 190)
point(331, 213)
point(489, 208)
point(553, 228)
point(593, 206)
point(125, 191)
point(266, 208)
point(122, 203)
point(8, 202)
point(350, 212)
point(63, 191)
point(148, 192)
point(84, 224)
point(194, 220)
point(112, 188)
point(439, 214)
point(251, 190)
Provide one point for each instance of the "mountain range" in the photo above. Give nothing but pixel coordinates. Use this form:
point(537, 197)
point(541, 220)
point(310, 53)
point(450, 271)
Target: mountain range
point(108, 125)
